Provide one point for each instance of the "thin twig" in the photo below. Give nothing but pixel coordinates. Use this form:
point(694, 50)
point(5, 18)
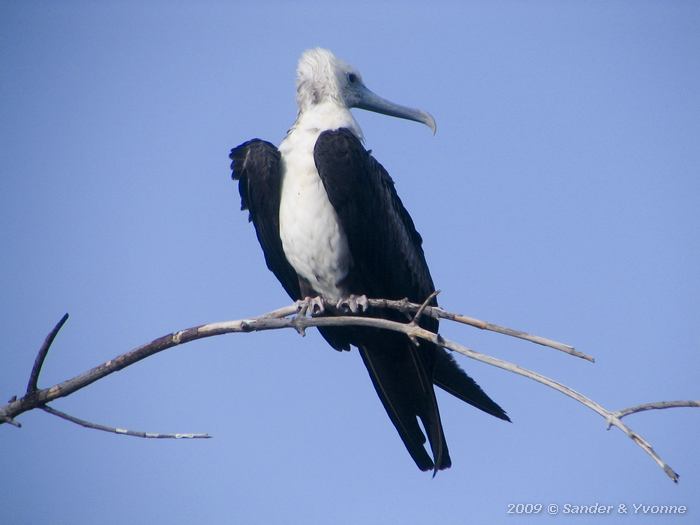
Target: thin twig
point(10, 421)
point(122, 431)
point(416, 318)
point(423, 306)
point(659, 405)
point(440, 313)
point(43, 352)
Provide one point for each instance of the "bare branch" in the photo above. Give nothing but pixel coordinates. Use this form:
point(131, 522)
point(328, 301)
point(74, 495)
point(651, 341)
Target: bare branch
point(281, 318)
point(611, 418)
point(656, 406)
point(43, 352)
point(122, 431)
point(405, 306)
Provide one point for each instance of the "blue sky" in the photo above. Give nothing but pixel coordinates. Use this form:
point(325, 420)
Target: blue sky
point(559, 196)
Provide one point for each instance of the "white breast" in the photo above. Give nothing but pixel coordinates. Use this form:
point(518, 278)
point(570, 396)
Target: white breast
point(312, 237)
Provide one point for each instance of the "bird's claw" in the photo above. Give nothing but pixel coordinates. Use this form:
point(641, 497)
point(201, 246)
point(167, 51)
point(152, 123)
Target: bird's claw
point(312, 306)
point(353, 304)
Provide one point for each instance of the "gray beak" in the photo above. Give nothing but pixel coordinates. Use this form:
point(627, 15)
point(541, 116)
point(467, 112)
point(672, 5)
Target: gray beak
point(372, 102)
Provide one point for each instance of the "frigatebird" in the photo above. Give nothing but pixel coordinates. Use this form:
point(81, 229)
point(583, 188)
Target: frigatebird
point(333, 230)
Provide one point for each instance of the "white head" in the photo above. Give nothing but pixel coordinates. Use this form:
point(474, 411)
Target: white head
point(321, 77)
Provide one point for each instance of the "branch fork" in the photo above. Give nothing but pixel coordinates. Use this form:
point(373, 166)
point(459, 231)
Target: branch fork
point(33, 389)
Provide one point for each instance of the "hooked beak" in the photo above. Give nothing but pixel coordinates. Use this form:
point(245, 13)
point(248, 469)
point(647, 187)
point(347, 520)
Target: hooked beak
point(372, 102)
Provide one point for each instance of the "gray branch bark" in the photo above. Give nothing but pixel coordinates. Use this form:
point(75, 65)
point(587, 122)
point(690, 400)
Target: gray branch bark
point(286, 318)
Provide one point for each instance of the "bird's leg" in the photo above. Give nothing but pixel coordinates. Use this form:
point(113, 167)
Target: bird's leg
point(310, 306)
point(353, 303)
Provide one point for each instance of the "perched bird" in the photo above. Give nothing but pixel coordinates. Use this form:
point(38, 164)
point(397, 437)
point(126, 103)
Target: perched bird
point(332, 228)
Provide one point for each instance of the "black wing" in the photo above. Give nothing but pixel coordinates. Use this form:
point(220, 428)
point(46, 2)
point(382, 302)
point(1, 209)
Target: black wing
point(390, 250)
point(388, 259)
point(257, 168)
point(388, 262)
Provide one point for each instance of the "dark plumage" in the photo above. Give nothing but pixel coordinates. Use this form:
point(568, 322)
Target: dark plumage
point(387, 262)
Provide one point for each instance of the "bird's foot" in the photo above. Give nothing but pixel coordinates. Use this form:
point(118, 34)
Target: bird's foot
point(353, 304)
point(312, 306)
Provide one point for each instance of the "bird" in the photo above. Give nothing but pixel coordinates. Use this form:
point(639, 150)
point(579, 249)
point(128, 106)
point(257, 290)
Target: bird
point(334, 231)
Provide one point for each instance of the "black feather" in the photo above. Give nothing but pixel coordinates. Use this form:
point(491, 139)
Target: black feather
point(387, 262)
point(256, 166)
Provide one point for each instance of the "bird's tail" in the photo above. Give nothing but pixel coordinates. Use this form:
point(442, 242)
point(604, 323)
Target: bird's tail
point(450, 377)
point(401, 374)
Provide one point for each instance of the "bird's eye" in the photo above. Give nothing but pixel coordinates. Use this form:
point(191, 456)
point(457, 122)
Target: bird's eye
point(352, 78)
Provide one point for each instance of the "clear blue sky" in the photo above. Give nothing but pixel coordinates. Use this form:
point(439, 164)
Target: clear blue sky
point(559, 196)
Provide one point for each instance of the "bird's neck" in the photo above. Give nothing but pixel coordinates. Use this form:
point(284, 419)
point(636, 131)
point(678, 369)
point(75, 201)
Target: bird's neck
point(323, 117)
